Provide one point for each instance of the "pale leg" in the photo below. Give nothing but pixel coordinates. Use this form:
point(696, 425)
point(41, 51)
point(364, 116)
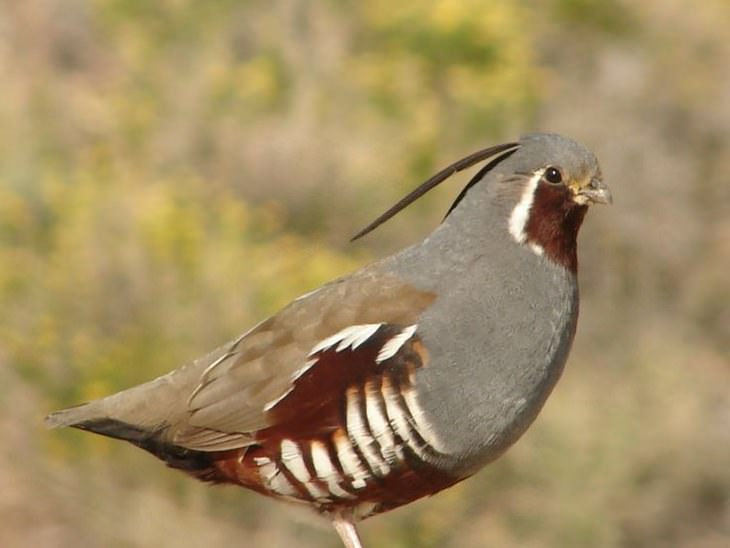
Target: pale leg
point(348, 533)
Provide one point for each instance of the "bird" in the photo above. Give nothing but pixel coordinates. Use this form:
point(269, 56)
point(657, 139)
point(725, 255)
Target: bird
point(402, 378)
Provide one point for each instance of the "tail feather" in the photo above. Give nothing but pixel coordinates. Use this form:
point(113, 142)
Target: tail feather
point(196, 463)
point(149, 407)
point(73, 416)
point(118, 430)
point(146, 416)
point(92, 417)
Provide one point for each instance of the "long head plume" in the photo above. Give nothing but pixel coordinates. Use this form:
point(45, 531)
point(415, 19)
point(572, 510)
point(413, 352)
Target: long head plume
point(440, 177)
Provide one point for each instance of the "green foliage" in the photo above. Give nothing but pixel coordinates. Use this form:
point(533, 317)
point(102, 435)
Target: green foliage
point(462, 61)
point(109, 279)
point(612, 17)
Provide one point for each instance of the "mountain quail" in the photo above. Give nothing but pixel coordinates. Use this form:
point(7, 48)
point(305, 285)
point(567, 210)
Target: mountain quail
point(401, 379)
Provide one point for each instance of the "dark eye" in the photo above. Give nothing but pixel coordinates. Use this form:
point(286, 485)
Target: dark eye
point(553, 175)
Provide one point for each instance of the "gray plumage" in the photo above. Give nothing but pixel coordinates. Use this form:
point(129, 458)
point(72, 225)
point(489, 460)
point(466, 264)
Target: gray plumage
point(500, 332)
point(494, 296)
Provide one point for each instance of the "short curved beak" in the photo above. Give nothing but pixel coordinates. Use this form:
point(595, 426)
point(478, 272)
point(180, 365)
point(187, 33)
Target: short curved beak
point(596, 192)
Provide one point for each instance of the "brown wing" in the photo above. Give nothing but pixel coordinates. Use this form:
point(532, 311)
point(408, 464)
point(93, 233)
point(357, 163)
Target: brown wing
point(236, 391)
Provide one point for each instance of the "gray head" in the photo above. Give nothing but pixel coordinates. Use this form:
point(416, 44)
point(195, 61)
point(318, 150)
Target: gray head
point(538, 189)
point(538, 150)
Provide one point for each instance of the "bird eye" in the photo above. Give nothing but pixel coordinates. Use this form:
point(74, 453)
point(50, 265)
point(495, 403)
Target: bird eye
point(553, 175)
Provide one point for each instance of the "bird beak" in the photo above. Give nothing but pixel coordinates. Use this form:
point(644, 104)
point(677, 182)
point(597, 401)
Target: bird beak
point(596, 192)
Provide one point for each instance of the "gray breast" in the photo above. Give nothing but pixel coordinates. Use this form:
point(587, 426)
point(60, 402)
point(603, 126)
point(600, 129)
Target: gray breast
point(498, 337)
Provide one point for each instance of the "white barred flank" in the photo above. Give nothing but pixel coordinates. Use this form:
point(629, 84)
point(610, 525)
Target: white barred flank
point(420, 422)
point(361, 436)
point(378, 423)
point(394, 424)
point(273, 478)
point(292, 458)
point(349, 461)
point(385, 429)
point(384, 424)
point(326, 471)
point(400, 421)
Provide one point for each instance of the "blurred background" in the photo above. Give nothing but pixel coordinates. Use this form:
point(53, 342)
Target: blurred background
point(173, 171)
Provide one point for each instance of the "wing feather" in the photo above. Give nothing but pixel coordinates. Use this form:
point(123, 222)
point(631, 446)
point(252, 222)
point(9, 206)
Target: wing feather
point(229, 403)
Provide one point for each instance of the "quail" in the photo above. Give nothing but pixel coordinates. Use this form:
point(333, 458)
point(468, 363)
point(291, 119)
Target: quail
point(401, 379)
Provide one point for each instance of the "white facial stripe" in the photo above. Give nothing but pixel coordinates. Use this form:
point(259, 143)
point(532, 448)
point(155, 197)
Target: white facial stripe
point(358, 432)
point(399, 420)
point(352, 336)
point(421, 423)
point(391, 348)
point(349, 460)
point(521, 212)
point(379, 424)
point(326, 471)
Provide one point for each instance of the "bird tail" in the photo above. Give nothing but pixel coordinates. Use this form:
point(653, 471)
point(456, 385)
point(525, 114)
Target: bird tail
point(75, 415)
point(134, 414)
point(147, 408)
point(93, 417)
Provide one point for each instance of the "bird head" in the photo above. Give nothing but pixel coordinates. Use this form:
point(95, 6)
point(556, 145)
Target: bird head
point(542, 185)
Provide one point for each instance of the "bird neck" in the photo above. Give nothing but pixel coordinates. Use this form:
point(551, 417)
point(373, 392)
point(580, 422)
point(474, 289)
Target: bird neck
point(552, 224)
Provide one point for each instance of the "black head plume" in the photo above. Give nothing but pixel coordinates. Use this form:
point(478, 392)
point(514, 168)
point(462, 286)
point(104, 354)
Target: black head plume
point(440, 177)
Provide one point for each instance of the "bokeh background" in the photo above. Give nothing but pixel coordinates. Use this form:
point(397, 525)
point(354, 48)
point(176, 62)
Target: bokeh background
point(173, 171)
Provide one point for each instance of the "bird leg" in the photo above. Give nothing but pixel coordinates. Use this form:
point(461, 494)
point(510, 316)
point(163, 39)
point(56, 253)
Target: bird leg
point(347, 531)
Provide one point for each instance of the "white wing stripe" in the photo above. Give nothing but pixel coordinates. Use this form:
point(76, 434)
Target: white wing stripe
point(353, 335)
point(299, 372)
point(391, 348)
point(274, 402)
point(358, 336)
